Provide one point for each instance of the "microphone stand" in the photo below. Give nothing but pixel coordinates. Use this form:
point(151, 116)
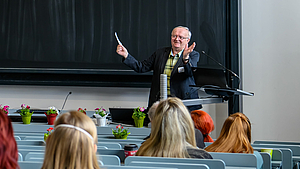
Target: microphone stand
point(233, 73)
point(65, 101)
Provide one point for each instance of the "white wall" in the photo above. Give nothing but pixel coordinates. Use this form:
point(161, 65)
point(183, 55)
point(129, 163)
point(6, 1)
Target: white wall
point(271, 69)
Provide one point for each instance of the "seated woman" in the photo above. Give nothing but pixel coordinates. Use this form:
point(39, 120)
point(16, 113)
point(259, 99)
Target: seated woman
point(204, 123)
point(73, 144)
point(172, 133)
point(8, 145)
point(235, 137)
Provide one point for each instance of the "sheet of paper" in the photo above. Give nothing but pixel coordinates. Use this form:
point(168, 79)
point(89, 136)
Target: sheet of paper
point(118, 39)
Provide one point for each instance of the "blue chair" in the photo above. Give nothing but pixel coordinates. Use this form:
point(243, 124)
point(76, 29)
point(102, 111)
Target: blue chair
point(30, 164)
point(172, 165)
point(109, 159)
point(118, 152)
point(110, 145)
point(131, 167)
point(35, 156)
point(266, 160)
point(240, 160)
point(211, 163)
point(31, 142)
point(20, 157)
point(282, 157)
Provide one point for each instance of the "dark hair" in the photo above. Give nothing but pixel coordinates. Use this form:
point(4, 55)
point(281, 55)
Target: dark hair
point(8, 145)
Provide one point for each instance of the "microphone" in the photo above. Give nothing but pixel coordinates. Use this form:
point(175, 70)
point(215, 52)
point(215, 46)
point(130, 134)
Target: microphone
point(65, 101)
point(234, 74)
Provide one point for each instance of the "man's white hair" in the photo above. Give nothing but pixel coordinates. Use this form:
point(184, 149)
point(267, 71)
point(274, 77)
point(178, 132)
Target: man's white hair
point(190, 33)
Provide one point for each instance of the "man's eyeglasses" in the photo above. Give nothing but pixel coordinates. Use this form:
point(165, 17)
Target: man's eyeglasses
point(180, 37)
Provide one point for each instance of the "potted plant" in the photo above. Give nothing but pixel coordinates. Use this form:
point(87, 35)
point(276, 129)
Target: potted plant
point(82, 110)
point(120, 132)
point(100, 114)
point(51, 115)
point(139, 116)
point(4, 108)
point(49, 131)
point(26, 114)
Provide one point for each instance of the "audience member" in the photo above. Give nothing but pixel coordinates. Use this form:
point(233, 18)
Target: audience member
point(204, 123)
point(198, 134)
point(172, 133)
point(73, 144)
point(8, 145)
point(235, 137)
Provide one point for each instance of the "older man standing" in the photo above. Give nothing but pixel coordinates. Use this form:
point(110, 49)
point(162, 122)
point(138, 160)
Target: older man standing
point(175, 61)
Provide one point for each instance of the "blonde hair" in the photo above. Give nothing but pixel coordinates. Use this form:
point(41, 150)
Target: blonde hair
point(70, 148)
point(235, 136)
point(172, 131)
point(152, 109)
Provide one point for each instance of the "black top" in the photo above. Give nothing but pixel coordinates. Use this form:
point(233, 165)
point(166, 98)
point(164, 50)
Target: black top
point(199, 138)
point(198, 153)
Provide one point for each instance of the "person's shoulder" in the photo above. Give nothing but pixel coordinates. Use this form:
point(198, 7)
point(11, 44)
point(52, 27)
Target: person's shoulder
point(195, 52)
point(198, 153)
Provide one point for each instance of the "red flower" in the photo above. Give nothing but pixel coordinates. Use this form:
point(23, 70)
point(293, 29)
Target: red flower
point(28, 107)
point(122, 127)
point(118, 126)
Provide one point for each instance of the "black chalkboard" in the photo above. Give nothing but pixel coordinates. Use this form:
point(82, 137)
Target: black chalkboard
point(76, 37)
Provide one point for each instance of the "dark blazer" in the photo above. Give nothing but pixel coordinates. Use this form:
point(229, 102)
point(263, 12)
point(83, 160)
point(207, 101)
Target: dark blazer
point(179, 81)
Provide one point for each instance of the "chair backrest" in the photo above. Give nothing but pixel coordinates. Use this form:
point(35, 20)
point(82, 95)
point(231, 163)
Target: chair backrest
point(236, 159)
point(211, 163)
point(109, 159)
point(20, 157)
point(30, 147)
point(172, 165)
point(24, 152)
point(119, 153)
point(282, 157)
point(277, 142)
point(30, 142)
point(110, 145)
point(35, 156)
point(30, 164)
point(17, 137)
point(295, 148)
point(131, 167)
point(266, 160)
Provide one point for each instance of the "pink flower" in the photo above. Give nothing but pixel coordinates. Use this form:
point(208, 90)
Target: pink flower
point(23, 105)
point(6, 107)
point(97, 109)
point(142, 109)
point(118, 126)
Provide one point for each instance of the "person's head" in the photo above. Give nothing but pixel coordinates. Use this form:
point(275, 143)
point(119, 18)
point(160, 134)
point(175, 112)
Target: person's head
point(235, 136)
point(73, 144)
point(180, 37)
point(152, 109)
point(204, 123)
point(8, 145)
point(172, 131)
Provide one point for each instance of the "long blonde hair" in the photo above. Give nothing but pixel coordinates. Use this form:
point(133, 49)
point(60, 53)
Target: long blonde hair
point(172, 131)
point(69, 148)
point(235, 136)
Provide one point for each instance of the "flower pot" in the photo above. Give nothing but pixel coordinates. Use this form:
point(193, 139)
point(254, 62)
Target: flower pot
point(26, 119)
point(139, 122)
point(51, 118)
point(45, 137)
point(121, 137)
point(101, 121)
